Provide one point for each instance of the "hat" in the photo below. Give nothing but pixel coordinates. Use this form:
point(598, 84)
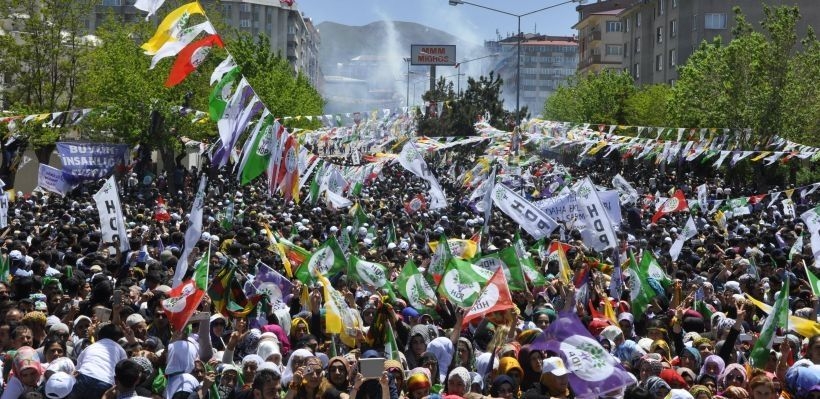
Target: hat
point(16, 255)
point(95, 269)
point(134, 319)
point(555, 366)
point(81, 318)
point(59, 385)
point(59, 327)
point(163, 289)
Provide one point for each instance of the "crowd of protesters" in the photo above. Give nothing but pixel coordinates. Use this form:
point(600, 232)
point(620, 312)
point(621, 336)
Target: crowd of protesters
point(81, 319)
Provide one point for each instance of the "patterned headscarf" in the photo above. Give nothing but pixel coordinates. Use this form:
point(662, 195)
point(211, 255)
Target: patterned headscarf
point(717, 361)
point(463, 375)
point(654, 384)
point(696, 390)
point(27, 358)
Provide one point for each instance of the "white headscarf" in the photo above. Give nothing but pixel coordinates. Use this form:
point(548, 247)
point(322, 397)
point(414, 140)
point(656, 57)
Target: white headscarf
point(287, 376)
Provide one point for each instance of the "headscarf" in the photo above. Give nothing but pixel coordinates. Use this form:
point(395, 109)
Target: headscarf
point(661, 344)
point(463, 375)
point(442, 349)
point(390, 364)
point(684, 371)
point(26, 358)
point(287, 376)
point(470, 351)
point(421, 330)
point(672, 377)
point(800, 380)
point(696, 390)
point(530, 376)
point(63, 364)
point(654, 384)
point(417, 380)
point(507, 364)
point(695, 353)
point(482, 363)
point(296, 322)
point(727, 370)
point(679, 394)
point(712, 359)
point(267, 348)
point(655, 365)
point(498, 382)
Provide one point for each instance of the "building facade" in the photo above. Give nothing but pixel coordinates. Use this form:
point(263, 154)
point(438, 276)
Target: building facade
point(659, 35)
point(291, 34)
point(600, 36)
point(546, 62)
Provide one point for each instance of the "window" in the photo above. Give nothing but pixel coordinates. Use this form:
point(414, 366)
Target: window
point(659, 62)
point(636, 70)
point(245, 7)
point(627, 25)
point(626, 48)
point(661, 6)
point(715, 21)
point(637, 45)
point(226, 9)
point(638, 20)
point(613, 26)
point(659, 34)
point(245, 23)
point(673, 58)
point(111, 3)
point(614, 49)
point(673, 28)
point(674, 3)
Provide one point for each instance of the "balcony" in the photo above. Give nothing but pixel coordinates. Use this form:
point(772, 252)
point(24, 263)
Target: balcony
point(595, 36)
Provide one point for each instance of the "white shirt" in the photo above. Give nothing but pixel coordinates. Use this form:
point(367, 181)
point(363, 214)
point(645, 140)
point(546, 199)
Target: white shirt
point(99, 359)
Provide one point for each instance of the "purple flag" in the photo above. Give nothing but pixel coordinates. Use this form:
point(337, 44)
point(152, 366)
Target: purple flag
point(275, 286)
point(593, 371)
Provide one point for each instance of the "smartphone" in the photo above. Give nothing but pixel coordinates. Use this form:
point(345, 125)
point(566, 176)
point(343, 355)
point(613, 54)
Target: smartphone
point(372, 368)
point(117, 298)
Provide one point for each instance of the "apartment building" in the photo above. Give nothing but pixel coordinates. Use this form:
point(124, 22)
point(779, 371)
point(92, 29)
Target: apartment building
point(600, 36)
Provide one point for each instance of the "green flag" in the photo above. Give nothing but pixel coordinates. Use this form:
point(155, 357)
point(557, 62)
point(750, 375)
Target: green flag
point(221, 93)
point(358, 215)
point(391, 233)
point(813, 281)
point(368, 273)
point(438, 262)
point(514, 265)
point(257, 157)
point(201, 271)
point(653, 269)
point(778, 317)
point(528, 268)
point(328, 260)
point(315, 184)
point(640, 292)
point(797, 248)
point(415, 288)
point(344, 239)
point(391, 349)
point(4, 269)
point(462, 282)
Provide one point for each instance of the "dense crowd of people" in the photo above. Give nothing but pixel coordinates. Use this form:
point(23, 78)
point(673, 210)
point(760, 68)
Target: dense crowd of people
point(82, 319)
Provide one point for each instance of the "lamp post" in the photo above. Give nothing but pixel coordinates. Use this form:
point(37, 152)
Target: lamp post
point(520, 39)
point(407, 94)
point(458, 65)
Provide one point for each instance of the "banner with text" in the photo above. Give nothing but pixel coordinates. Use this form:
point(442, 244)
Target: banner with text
point(112, 223)
point(523, 212)
point(564, 208)
point(52, 179)
point(89, 161)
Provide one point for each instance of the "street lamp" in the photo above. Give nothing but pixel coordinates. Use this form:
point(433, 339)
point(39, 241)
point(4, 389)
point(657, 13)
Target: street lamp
point(407, 94)
point(458, 65)
point(520, 39)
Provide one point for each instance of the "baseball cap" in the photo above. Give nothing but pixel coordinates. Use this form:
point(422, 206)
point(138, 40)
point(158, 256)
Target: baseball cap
point(555, 366)
point(59, 385)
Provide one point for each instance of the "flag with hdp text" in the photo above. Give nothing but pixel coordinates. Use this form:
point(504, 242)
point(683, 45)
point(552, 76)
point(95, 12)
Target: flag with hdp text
point(438, 261)
point(462, 281)
point(174, 22)
point(593, 371)
point(812, 219)
point(495, 297)
point(778, 317)
point(194, 231)
point(183, 38)
point(184, 299)
point(368, 273)
point(528, 268)
point(256, 157)
point(112, 222)
point(689, 231)
point(415, 288)
point(533, 220)
point(508, 262)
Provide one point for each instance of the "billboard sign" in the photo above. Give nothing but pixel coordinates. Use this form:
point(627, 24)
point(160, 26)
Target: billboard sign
point(432, 54)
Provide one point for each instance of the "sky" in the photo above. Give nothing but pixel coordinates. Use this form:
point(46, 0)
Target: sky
point(471, 23)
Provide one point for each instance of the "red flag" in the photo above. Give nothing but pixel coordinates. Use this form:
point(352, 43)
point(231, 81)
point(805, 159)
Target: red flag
point(418, 203)
point(190, 57)
point(756, 198)
point(182, 303)
point(494, 298)
point(289, 3)
point(160, 212)
point(676, 203)
point(288, 159)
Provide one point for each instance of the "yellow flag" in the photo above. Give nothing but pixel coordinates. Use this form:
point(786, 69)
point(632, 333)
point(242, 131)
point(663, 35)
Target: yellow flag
point(333, 317)
point(789, 193)
point(564, 273)
point(804, 327)
point(763, 154)
point(720, 219)
point(170, 26)
point(609, 312)
point(275, 246)
point(464, 249)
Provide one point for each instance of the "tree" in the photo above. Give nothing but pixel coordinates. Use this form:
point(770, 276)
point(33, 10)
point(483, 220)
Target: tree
point(593, 98)
point(647, 106)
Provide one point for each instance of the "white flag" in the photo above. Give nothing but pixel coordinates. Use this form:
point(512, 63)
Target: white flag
point(149, 6)
point(689, 231)
point(597, 219)
point(627, 193)
point(226, 65)
point(412, 160)
point(112, 223)
point(194, 231)
point(812, 219)
point(533, 220)
point(4, 210)
point(183, 38)
point(52, 179)
point(788, 207)
point(703, 196)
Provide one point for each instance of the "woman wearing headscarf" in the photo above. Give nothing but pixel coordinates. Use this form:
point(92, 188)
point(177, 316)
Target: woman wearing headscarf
point(509, 366)
point(466, 355)
point(418, 384)
point(307, 380)
point(689, 358)
point(28, 373)
point(442, 349)
point(417, 344)
point(700, 392)
point(734, 375)
point(713, 365)
point(458, 382)
point(296, 360)
point(339, 373)
point(657, 387)
point(662, 348)
point(299, 328)
point(530, 361)
point(229, 380)
point(504, 387)
point(651, 366)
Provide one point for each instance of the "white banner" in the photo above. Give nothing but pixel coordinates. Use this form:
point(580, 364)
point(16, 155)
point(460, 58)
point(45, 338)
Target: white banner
point(689, 231)
point(412, 160)
point(51, 179)
point(597, 220)
point(627, 193)
point(194, 231)
point(564, 208)
point(788, 207)
point(4, 210)
point(537, 223)
point(112, 223)
point(812, 219)
point(703, 197)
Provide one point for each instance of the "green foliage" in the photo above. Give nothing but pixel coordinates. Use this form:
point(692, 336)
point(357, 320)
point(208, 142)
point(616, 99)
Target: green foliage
point(647, 106)
point(595, 98)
